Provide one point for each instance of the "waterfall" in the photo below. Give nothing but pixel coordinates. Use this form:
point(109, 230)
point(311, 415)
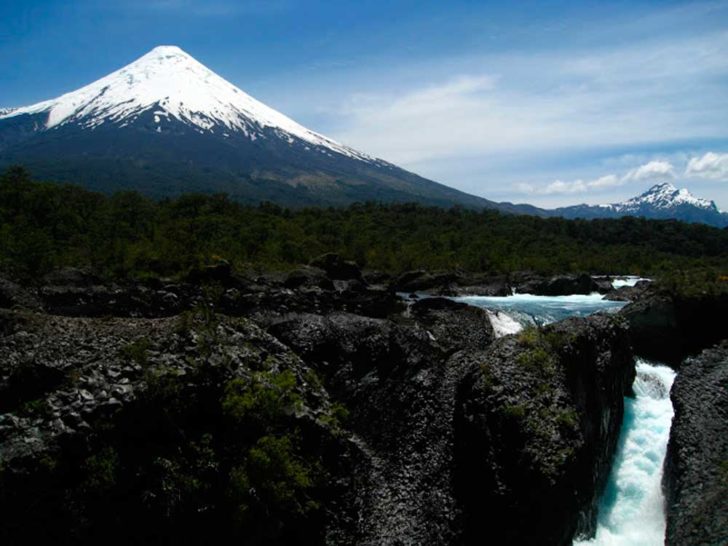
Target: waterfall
point(631, 511)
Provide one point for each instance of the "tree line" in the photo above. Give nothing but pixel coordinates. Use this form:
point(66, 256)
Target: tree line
point(45, 225)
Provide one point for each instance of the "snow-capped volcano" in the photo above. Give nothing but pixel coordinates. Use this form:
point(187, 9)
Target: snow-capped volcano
point(172, 84)
point(662, 196)
point(166, 124)
point(661, 201)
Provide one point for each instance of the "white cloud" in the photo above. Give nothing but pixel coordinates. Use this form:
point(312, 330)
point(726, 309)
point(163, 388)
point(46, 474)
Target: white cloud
point(608, 181)
point(483, 122)
point(651, 172)
point(576, 186)
point(711, 166)
point(550, 102)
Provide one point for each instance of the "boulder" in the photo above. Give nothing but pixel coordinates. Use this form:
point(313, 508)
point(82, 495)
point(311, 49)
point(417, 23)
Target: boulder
point(561, 285)
point(71, 276)
point(308, 276)
point(376, 277)
point(220, 272)
point(13, 295)
point(336, 267)
point(484, 285)
point(628, 293)
point(454, 326)
point(423, 281)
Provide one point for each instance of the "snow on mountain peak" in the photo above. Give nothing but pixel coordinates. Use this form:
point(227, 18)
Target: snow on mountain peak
point(175, 85)
point(662, 196)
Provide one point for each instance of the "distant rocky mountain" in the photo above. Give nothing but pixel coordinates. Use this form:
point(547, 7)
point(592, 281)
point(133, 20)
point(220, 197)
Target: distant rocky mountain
point(661, 201)
point(166, 124)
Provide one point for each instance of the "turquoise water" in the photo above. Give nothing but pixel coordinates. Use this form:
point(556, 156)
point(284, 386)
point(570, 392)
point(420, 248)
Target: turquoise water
point(526, 309)
point(631, 511)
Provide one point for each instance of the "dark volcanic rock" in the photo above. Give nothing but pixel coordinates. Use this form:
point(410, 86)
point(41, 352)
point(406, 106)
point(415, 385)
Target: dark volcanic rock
point(337, 268)
point(221, 272)
point(494, 445)
point(308, 276)
point(628, 293)
point(303, 290)
point(538, 421)
point(604, 285)
point(71, 276)
point(420, 280)
point(562, 285)
point(13, 295)
point(144, 431)
point(401, 395)
point(484, 285)
point(376, 277)
point(668, 327)
point(696, 467)
point(380, 423)
point(454, 326)
point(120, 301)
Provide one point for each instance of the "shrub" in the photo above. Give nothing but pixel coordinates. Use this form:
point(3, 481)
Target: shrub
point(263, 398)
point(136, 351)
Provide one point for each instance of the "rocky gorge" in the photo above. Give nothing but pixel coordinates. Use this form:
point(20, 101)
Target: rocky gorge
point(321, 407)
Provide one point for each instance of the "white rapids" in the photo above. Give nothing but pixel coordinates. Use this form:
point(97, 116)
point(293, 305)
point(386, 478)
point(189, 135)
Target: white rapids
point(632, 512)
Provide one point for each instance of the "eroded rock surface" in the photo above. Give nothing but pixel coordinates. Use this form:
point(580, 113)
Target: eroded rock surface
point(696, 467)
point(312, 407)
point(537, 424)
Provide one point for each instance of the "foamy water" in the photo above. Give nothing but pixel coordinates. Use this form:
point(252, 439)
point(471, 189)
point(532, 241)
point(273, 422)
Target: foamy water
point(632, 512)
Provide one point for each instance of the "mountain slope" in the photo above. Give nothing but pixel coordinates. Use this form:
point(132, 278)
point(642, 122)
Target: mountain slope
point(661, 201)
point(165, 124)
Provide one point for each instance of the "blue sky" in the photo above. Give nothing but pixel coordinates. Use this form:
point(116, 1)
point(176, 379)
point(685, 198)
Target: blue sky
point(545, 102)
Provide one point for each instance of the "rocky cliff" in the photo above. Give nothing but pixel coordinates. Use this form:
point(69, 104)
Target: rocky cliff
point(537, 424)
point(315, 407)
point(668, 326)
point(696, 468)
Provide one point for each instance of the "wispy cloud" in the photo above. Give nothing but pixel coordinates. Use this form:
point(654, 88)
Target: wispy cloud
point(711, 166)
point(541, 102)
point(572, 187)
point(485, 122)
point(652, 172)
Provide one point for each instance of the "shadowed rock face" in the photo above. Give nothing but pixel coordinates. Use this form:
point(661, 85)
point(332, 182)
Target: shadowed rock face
point(460, 283)
point(668, 327)
point(537, 423)
point(560, 285)
point(119, 422)
point(400, 392)
point(696, 468)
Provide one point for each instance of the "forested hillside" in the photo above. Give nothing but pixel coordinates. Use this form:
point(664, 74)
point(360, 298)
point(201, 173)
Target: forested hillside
point(45, 225)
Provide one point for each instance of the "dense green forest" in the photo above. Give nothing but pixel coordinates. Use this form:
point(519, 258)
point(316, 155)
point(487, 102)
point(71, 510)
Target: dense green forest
point(46, 225)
